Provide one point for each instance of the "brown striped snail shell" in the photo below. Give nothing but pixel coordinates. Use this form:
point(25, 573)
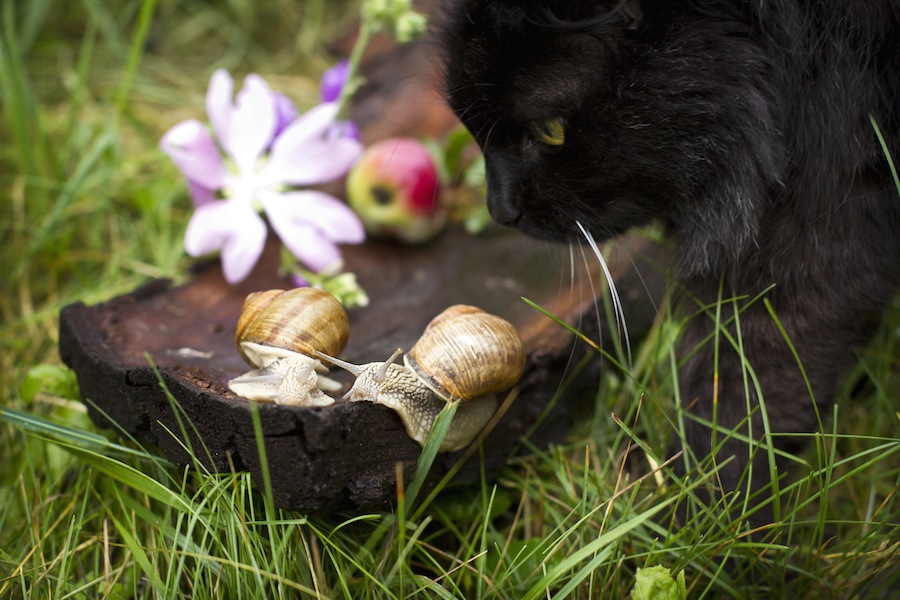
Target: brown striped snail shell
point(299, 320)
point(465, 355)
point(465, 352)
point(279, 333)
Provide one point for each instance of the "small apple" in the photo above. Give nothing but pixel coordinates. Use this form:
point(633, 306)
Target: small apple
point(395, 191)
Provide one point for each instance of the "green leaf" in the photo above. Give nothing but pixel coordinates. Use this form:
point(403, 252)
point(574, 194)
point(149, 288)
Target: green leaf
point(657, 583)
point(476, 173)
point(55, 380)
point(430, 450)
point(140, 556)
point(597, 550)
point(454, 149)
point(477, 219)
point(131, 477)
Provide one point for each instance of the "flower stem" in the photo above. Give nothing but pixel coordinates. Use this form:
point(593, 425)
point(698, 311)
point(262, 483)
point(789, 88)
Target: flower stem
point(359, 47)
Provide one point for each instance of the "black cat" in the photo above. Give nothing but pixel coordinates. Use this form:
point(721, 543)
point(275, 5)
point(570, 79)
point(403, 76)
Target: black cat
point(748, 128)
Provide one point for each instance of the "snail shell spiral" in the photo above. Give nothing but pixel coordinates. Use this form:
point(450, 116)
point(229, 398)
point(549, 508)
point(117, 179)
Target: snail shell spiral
point(465, 352)
point(279, 333)
point(299, 320)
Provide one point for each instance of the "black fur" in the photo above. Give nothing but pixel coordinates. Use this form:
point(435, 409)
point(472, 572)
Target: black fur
point(746, 128)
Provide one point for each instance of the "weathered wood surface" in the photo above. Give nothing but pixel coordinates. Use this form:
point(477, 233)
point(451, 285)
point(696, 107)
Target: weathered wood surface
point(343, 458)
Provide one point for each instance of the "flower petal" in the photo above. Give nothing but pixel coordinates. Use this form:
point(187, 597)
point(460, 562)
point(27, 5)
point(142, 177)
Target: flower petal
point(194, 152)
point(208, 228)
point(305, 154)
point(285, 114)
point(233, 229)
point(316, 163)
point(313, 249)
point(310, 125)
point(199, 194)
point(333, 81)
point(218, 103)
point(309, 224)
point(332, 217)
point(347, 129)
point(252, 123)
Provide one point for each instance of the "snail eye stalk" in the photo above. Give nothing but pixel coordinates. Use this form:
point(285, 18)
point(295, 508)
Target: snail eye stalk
point(551, 132)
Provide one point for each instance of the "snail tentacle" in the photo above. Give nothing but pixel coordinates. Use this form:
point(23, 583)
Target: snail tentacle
point(355, 370)
point(380, 372)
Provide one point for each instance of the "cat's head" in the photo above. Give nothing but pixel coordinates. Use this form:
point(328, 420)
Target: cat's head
point(612, 114)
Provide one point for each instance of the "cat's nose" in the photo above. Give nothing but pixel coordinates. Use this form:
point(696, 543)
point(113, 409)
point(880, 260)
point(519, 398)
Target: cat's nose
point(503, 202)
point(502, 211)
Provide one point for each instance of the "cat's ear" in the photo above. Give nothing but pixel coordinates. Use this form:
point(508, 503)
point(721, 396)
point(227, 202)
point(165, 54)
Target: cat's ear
point(632, 12)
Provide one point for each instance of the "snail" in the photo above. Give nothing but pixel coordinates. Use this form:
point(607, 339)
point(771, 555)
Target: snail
point(464, 354)
point(278, 334)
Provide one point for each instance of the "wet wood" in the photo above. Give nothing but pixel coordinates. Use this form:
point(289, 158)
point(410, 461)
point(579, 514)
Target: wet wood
point(343, 457)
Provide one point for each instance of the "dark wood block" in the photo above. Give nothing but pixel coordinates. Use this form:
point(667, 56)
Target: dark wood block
point(338, 458)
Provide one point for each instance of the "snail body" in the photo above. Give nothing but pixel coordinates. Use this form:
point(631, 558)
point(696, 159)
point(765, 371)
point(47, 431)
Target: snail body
point(293, 381)
point(418, 405)
point(464, 355)
point(278, 333)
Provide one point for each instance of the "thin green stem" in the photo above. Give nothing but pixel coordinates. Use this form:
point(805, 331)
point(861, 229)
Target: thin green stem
point(350, 87)
point(135, 53)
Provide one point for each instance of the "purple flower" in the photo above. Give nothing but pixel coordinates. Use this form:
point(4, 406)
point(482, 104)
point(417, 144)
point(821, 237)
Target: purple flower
point(285, 114)
point(333, 81)
point(249, 180)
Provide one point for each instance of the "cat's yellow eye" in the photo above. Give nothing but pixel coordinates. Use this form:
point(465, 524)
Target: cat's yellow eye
point(548, 131)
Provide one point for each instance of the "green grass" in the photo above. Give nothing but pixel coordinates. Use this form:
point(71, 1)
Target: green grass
point(91, 209)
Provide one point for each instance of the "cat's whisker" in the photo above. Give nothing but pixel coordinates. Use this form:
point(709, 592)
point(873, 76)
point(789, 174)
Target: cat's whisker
point(473, 111)
point(465, 113)
point(572, 287)
point(572, 265)
point(613, 292)
point(572, 270)
point(487, 138)
point(644, 285)
point(575, 279)
point(593, 292)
